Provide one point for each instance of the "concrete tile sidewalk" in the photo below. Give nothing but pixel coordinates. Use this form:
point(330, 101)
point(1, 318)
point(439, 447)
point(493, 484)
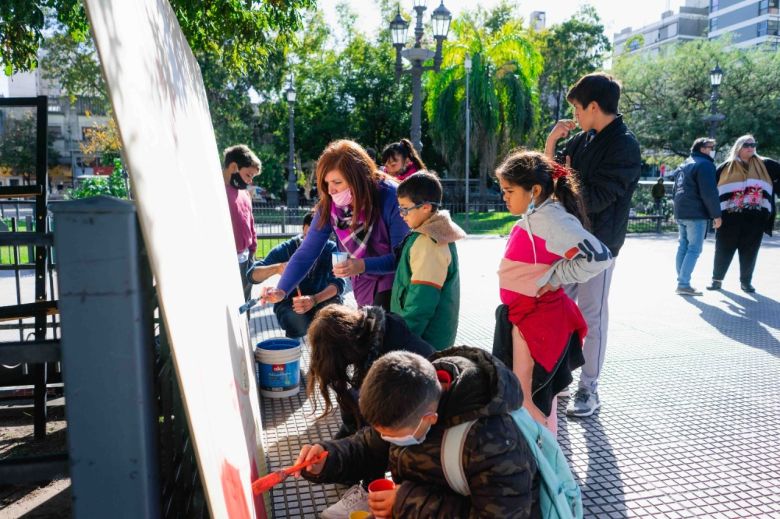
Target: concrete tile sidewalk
point(690, 424)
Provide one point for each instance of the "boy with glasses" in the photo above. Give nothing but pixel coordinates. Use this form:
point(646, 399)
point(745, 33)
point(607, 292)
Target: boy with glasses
point(426, 289)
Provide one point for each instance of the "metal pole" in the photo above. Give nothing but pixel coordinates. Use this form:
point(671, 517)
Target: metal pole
point(713, 111)
point(468, 144)
point(416, 71)
point(292, 188)
point(416, 132)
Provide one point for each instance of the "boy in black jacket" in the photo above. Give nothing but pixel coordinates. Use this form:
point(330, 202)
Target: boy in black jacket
point(606, 156)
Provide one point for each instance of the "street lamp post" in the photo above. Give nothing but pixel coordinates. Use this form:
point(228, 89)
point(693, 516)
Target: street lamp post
point(716, 76)
point(416, 55)
point(292, 184)
point(467, 66)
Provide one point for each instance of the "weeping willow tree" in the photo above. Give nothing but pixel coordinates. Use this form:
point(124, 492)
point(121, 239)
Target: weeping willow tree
point(502, 94)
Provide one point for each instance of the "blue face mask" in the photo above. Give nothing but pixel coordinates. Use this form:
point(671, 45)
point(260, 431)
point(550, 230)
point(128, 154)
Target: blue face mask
point(409, 439)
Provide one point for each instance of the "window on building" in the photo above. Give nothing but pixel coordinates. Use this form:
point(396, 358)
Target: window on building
point(672, 30)
point(763, 7)
point(713, 24)
point(761, 28)
point(774, 6)
point(714, 5)
point(55, 132)
point(773, 27)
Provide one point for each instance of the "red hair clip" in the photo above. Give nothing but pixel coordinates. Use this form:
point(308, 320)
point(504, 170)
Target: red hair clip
point(559, 171)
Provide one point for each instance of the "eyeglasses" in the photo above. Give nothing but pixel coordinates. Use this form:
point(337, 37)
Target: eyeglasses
point(749, 144)
point(403, 211)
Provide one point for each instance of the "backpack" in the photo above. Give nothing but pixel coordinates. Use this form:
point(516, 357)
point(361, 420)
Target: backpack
point(559, 493)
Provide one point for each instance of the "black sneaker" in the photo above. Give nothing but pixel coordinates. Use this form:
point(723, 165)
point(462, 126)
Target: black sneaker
point(715, 285)
point(687, 291)
point(747, 287)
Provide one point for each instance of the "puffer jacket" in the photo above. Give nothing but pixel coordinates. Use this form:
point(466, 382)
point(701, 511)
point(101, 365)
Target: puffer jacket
point(498, 464)
point(426, 288)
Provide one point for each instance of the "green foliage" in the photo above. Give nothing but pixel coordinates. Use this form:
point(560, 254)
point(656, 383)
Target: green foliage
point(570, 50)
point(667, 97)
point(502, 85)
point(18, 146)
point(114, 185)
point(73, 65)
point(236, 33)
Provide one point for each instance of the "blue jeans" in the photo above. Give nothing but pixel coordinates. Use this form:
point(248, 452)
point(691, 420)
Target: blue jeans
point(691, 242)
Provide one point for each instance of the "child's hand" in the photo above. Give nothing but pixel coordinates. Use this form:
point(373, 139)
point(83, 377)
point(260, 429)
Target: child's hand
point(302, 304)
point(381, 503)
point(546, 288)
point(271, 295)
point(349, 267)
point(309, 452)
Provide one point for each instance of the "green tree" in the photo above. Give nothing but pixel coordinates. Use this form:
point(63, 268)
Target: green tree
point(667, 97)
point(570, 50)
point(236, 33)
point(18, 146)
point(503, 97)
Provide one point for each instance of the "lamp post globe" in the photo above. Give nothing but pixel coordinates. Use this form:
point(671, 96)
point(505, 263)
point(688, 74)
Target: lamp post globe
point(417, 55)
point(716, 77)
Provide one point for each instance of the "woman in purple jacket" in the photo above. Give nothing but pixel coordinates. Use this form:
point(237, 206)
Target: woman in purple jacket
point(358, 203)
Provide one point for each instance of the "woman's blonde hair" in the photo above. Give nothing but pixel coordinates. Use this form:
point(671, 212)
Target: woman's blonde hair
point(734, 151)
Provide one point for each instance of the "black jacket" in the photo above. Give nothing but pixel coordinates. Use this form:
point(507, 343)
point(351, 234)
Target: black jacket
point(609, 168)
point(695, 189)
point(498, 464)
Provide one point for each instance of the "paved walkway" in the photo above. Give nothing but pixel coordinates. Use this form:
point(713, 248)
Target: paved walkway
point(690, 424)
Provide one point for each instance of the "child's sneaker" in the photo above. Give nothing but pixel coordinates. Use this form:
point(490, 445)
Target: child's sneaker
point(354, 499)
point(585, 403)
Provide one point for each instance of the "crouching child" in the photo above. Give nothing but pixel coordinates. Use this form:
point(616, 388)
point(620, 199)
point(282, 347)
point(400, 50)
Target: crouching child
point(410, 402)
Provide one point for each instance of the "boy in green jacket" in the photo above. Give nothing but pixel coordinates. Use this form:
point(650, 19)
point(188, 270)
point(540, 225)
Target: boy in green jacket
point(426, 290)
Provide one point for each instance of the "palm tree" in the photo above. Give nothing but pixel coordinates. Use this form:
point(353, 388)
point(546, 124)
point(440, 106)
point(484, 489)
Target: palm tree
point(503, 97)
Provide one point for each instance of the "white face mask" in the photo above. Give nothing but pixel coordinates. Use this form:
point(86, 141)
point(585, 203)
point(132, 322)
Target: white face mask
point(712, 153)
point(409, 439)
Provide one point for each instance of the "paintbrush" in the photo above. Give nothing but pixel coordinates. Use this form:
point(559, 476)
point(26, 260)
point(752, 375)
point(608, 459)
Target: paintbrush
point(265, 483)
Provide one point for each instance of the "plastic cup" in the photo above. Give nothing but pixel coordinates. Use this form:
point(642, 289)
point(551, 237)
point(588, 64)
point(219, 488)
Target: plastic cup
point(359, 514)
point(338, 257)
point(379, 485)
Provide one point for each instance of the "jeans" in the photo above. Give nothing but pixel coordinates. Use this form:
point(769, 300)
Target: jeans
point(592, 297)
point(294, 324)
point(689, 249)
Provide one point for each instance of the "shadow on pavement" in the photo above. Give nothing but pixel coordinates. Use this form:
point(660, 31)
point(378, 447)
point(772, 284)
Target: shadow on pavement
point(603, 493)
point(745, 319)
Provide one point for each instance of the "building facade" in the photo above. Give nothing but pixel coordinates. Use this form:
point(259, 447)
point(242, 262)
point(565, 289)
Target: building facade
point(689, 23)
point(68, 126)
point(746, 22)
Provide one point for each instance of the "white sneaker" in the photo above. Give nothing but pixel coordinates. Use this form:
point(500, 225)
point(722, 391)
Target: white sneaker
point(354, 499)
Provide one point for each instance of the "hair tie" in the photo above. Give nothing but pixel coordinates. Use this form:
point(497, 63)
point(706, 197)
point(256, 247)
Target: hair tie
point(559, 171)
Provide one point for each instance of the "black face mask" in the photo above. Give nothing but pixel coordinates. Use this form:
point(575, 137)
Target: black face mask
point(238, 182)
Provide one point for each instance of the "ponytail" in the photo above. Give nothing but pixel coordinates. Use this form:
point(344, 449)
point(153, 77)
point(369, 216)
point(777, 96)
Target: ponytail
point(567, 192)
point(412, 155)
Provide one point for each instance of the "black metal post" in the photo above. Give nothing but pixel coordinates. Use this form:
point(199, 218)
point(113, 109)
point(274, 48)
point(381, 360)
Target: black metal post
point(292, 184)
point(39, 370)
point(714, 119)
